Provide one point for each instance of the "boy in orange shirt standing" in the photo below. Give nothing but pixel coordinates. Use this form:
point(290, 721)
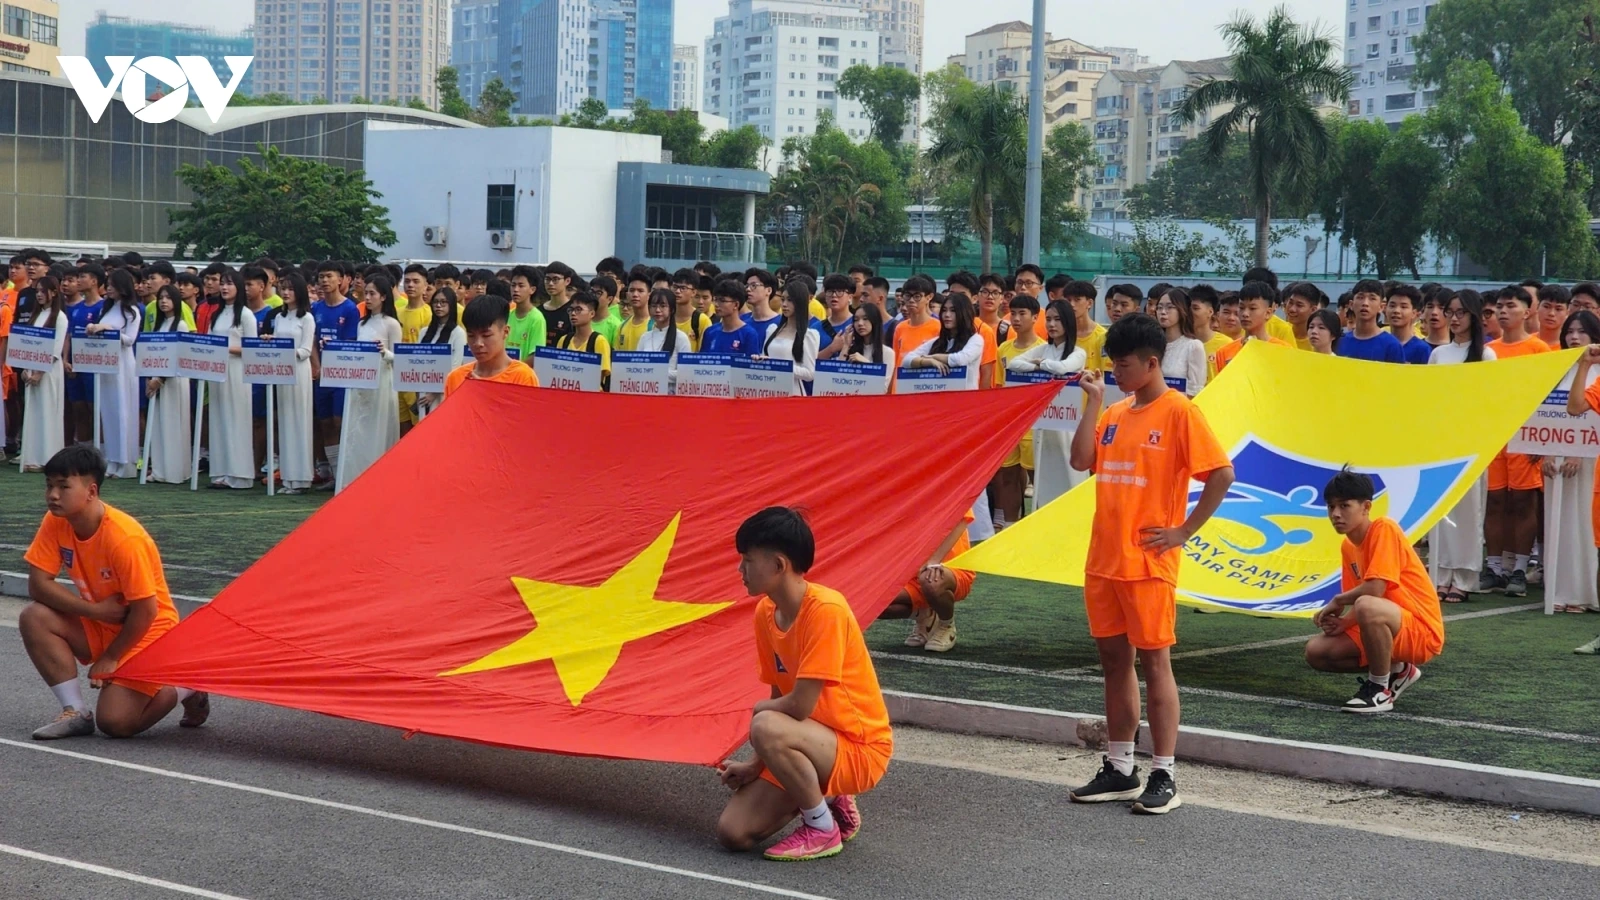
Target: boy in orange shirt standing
point(120, 607)
point(487, 323)
point(1511, 517)
point(1144, 451)
point(824, 735)
point(1394, 622)
point(1256, 300)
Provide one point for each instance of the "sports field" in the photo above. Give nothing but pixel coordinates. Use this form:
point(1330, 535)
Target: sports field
point(1508, 690)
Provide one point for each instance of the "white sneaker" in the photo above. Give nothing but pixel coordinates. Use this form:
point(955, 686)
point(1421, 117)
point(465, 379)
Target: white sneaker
point(921, 624)
point(942, 637)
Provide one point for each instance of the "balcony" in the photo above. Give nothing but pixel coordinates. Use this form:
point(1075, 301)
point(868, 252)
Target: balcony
point(715, 246)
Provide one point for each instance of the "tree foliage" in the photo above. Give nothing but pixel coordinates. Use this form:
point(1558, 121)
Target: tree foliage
point(1277, 70)
point(494, 104)
point(282, 207)
point(1192, 185)
point(982, 138)
point(1379, 192)
point(680, 131)
point(845, 198)
point(451, 103)
point(888, 95)
point(1161, 247)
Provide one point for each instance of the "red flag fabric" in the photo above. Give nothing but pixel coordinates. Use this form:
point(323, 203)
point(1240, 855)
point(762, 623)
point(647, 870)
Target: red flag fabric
point(555, 570)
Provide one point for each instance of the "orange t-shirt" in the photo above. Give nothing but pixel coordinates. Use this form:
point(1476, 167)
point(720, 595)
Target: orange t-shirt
point(824, 643)
point(1144, 459)
point(1227, 353)
point(908, 337)
point(119, 559)
point(518, 372)
point(1524, 347)
point(1385, 553)
point(7, 377)
point(991, 351)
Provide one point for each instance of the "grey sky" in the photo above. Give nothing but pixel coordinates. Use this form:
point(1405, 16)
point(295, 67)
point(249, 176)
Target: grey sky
point(1160, 29)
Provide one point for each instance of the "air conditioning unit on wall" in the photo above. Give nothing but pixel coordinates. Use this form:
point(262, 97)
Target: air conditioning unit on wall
point(503, 239)
point(434, 235)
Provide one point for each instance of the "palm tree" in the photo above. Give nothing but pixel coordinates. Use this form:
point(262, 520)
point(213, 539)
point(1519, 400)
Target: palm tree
point(1281, 72)
point(983, 135)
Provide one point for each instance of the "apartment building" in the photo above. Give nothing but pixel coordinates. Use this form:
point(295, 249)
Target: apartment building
point(338, 50)
point(1380, 51)
point(1003, 54)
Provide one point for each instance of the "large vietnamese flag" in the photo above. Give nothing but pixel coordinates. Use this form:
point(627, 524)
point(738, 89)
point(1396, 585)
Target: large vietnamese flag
point(555, 570)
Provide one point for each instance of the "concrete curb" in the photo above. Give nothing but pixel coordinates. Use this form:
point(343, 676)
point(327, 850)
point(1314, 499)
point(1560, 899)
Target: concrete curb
point(1300, 759)
point(15, 584)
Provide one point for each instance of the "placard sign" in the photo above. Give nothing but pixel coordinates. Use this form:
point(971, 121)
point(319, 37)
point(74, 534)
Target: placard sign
point(267, 360)
point(633, 372)
point(567, 370)
point(928, 380)
point(757, 378)
point(1064, 411)
point(421, 367)
point(203, 356)
point(837, 378)
point(1114, 393)
point(351, 364)
point(31, 348)
point(704, 375)
point(1551, 432)
point(156, 353)
point(95, 355)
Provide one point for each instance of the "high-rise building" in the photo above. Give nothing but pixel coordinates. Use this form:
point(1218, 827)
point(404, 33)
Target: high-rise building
point(474, 42)
point(686, 77)
point(339, 50)
point(775, 64)
point(899, 27)
point(122, 36)
point(32, 42)
point(1003, 54)
point(1380, 51)
point(553, 54)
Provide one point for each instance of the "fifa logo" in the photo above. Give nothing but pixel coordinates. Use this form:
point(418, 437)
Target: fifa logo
point(178, 75)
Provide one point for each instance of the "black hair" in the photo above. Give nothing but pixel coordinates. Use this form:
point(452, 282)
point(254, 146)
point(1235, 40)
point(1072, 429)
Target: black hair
point(919, 284)
point(76, 460)
point(604, 284)
point(1136, 334)
point(1330, 321)
point(1409, 292)
point(254, 273)
point(1069, 326)
point(612, 266)
point(731, 289)
point(188, 279)
point(1588, 321)
point(498, 287)
point(1514, 292)
point(1367, 286)
point(1555, 293)
point(686, 276)
point(1588, 289)
point(1262, 274)
point(299, 295)
point(419, 269)
point(1180, 302)
point(1132, 290)
point(669, 342)
point(803, 268)
point(1028, 267)
point(1080, 289)
point(1303, 289)
point(440, 329)
point(1348, 485)
point(708, 268)
point(480, 276)
point(161, 267)
point(1472, 302)
point(34, 253)
point(994, 279)
point(951, 340)
point(1534, 283)
point(1056, 283)
point(859, 269)
point(965, 279)
point(769, 280)
point(587, 298)
point(122, 282)
point(795, 292)
point(445, 271)
point(1023, 301)
point(486, 311)
point(777, 529)
point(837, 282)
point(327, 265)
point(170, 291)
point(1207, 294)
point(878, 282)
point(47, 297)
point(872, 344)
point(385, 289)
point(1258, 290)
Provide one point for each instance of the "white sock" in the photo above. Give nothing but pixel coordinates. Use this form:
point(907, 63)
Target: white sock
point(1496, 566)
point(1121, 755)
point(68, 694)
point(1164, 762)
point(1397, 668)
point(820, 818)
point(1379, 680)
point(1522, 563)
point(1508, 562)
point(185, 693)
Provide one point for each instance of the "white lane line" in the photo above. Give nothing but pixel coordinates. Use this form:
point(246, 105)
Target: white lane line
point(116, 873)
point(1302, 638)
point(187, 598)
point(753, 886)
point(1232, 695)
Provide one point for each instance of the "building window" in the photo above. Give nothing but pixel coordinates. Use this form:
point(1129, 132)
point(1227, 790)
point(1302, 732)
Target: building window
point(17, 22)
point(1374, 23)
point(1374, 51)
point(1352, 30)
point(1400, 101)
point(502, 207)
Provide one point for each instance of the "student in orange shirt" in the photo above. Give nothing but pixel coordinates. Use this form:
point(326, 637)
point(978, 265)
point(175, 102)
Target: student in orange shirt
point(1393, 623)
point(1144, 452)
point(1554, 301)
point(1511, 517)
point(932, 595)
point(487, 324)
point(824, 735)
point(1255, 312)
point(917, 327)
point(120, 607)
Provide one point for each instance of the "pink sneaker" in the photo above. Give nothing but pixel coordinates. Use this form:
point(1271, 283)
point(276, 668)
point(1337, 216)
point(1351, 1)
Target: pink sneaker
point(806, 843)
point(847, 815)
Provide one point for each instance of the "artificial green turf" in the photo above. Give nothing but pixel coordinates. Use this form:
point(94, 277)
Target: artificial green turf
point(1515, 670)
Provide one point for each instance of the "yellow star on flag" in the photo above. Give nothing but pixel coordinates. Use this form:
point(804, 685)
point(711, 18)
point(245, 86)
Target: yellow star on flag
point(582, 629)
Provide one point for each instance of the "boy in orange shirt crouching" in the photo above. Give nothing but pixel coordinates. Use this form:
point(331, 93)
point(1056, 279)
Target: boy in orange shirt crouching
point(931, 597)
point(1143, 452)
point(824, 735)
point(1394, 621)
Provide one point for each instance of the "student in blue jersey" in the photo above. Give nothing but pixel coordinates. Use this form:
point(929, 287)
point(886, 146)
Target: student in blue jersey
point(782, 343)
point(731, 334)
point(1400, 312)
point(760, 312)
point(833, 332)
point(338, 319)
point(1366, 339)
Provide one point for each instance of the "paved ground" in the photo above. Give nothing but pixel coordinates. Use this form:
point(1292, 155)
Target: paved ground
point(272, 803)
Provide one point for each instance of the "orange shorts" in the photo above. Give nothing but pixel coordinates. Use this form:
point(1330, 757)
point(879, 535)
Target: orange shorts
point(1145, 610)
point(963, 577)
point(857, 768)
point(1414, 644)
point(1594, 516)
point(1514, 471)
point(100, 636)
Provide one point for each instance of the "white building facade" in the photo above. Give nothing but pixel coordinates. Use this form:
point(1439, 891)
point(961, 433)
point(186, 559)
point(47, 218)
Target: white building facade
point(338, 50)
point(685, 77)
point(775, 64)
point(1003, 54)
point(1380, 51)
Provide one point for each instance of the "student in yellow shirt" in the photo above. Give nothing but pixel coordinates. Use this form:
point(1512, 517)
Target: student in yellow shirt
point(1008, 488)
point(414, 315)
point(1299, 302)
point(637, 322)
point(690, 321)
point(583, 307)
point(1204, 305)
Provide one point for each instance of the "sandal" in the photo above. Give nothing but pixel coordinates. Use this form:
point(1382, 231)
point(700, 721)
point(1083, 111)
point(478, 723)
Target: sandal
point(1454, 596)
point(1575, 608)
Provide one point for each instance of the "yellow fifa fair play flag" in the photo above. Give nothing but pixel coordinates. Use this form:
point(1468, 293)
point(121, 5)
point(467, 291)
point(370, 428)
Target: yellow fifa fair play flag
point(1290, 421)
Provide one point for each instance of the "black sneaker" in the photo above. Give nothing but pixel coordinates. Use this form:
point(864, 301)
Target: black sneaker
point(1160, 794)
point(1371, 697)
point(1487, 581)
point(1517, 584)
point(1107, 786)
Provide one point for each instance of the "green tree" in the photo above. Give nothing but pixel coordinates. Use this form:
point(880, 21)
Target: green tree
point(887, 94)
point(1193, 185)
point(1278, 71)
point(1378, 193)
point(283, 207)
point(739, 148)
point(983, 138)
point(494, 104)
point(848, 198)
point(1507, 199)
point(451, 103)
point(1161, 247)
